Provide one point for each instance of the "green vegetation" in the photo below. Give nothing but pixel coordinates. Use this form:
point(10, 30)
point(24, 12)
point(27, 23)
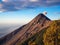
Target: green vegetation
point(47, 36)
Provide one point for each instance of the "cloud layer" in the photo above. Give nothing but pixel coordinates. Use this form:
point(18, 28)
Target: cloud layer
point(13, 5)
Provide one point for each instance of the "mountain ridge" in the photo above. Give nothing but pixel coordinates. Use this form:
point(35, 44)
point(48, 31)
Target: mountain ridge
point(47, 36)
point(27, 30)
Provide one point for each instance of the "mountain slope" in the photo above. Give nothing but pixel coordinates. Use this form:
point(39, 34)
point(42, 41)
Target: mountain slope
point(37, 24)
point(52, 35)
point(47, 36)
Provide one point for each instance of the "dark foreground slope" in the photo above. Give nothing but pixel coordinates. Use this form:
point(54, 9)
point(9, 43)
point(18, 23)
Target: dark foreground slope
point(18, 36)
point(47, 36)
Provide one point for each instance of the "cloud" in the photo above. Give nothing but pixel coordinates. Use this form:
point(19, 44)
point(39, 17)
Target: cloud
point(2, 10)
point(57, 12)
point(1, 5)
point(4, 0)
point(52, 2)
point(13, 5)
point(7, 1)
point(33, 0)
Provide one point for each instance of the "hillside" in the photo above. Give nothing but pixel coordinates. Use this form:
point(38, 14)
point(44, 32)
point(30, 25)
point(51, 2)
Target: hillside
point(52, 35)
point(47, 36)
point(26, 31)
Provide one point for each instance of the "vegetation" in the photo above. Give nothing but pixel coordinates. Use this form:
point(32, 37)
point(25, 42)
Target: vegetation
point(36, 39)
point(52, 35)
point(48, 36)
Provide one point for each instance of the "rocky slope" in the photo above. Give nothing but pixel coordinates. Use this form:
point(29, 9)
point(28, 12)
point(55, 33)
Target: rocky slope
point(47, 36)
point(26, 31)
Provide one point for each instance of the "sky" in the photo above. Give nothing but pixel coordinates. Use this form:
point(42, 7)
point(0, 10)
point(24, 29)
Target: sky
point(23, 11)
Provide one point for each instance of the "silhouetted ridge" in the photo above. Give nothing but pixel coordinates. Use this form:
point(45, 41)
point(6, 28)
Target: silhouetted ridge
point(42, 15)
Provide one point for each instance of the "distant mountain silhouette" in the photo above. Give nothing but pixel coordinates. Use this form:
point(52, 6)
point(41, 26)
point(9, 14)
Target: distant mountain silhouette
point(21, 34)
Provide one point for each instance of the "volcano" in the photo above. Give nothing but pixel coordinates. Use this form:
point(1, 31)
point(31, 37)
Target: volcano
point(24, 32)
